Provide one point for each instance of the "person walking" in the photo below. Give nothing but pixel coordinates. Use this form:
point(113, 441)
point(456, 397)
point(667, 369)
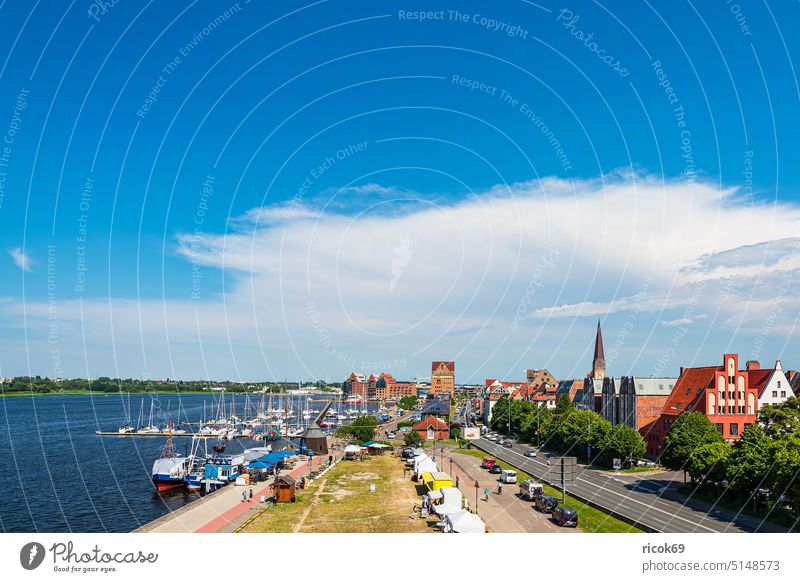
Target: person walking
point(251, 495)
point(486, 494)
point(244, 496)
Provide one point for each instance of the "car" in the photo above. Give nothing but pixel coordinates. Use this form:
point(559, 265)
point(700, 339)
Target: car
point(500, 441)
point(508, 476)
point(488, 463)
point(493, 439)
point(495, 469)
point(391, 435)
point(545, 503)
point(507, 444)
point(565, 516)
point(530, 453)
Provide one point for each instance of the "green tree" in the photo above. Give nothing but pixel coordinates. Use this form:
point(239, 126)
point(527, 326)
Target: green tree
point(708, 462)
point(564, 406)
point(750, 460)
point(361, 429)
point(408, 402)
point(625, 443)
point(781, 419)
point(783, 479)
point(412, 439)
point(690, 431)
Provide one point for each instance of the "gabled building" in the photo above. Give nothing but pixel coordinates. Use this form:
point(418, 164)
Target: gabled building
point(431, 428)
point(794, 381)
point(772, 384)
point(723, 393)
point(355, 385)
point(641, 400)
point(443, 378)
point(494, 390)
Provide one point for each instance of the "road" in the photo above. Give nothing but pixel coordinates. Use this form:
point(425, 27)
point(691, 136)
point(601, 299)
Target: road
point(652, 502)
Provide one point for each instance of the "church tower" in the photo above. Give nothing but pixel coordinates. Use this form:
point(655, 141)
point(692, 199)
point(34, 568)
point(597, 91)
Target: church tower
point(598, 372)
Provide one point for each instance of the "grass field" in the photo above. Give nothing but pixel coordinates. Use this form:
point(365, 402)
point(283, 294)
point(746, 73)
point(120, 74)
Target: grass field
point(590, 519)
point(341, 502)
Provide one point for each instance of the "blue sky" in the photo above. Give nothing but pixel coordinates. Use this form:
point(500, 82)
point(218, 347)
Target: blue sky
point(293, 189)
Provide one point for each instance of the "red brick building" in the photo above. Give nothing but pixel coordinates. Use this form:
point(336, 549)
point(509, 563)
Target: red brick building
point(723, 393)
point(431, 428)
point(387, 388)
point(443, 378)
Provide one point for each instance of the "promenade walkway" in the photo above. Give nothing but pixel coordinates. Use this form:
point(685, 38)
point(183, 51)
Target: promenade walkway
point(223, 510)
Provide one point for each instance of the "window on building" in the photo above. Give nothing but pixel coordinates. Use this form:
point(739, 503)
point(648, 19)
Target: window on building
point(734, 429)
point(687, 391)
point(774, 393)
point(783, 393)
point(678, 406)
point(720, 428)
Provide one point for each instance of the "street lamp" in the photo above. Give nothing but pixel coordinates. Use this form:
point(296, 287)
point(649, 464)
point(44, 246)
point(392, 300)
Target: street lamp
point(476, 496)
point(589, 439)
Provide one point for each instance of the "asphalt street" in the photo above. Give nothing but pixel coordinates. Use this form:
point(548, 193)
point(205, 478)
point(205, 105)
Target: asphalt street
point(651, 501)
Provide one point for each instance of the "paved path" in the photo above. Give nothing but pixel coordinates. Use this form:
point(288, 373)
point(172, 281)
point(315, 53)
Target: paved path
point(223, 510)
point(503, 513)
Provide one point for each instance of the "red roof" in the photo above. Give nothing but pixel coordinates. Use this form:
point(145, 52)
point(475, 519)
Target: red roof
point(449, 365)
point(695, 381)
point(758, 379)
point(431, 422)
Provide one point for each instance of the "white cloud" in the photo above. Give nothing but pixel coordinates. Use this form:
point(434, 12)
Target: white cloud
point(20, 259)
point(324, 292)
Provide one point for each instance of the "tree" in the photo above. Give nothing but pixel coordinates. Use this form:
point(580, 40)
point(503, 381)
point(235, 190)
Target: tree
point(412, 439)
point(408, 402)
point(750, 460)
point(783, 480)
point(361, 429)
point(690, 431)
point(781, 419)
point(625, 443)
point(564, 406)
point(708, 462)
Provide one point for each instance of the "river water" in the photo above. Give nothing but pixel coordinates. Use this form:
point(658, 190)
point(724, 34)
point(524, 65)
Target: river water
point(57, 475)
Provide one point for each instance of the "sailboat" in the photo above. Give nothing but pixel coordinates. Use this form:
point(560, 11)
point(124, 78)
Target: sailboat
point(196, 465)
point(150, 428)
point(127, 428)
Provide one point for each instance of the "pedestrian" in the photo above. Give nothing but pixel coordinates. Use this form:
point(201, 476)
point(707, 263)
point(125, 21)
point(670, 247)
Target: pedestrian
point(486, 494)
point(251, 495)
point(244, 496)
point(499, 488)
point(548, 461)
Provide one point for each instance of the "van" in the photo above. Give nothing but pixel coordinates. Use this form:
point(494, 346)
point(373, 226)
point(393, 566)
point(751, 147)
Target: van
point(530, 490)
point(565, 516)
point(508, 476)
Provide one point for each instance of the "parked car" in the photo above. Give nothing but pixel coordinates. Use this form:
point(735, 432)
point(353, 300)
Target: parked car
point(391, 435)
point(508, 476)
point(488, 463)
point(530, 489)
point(530, 453)
point(565, 516)
point(545, 503)
point(495, 469)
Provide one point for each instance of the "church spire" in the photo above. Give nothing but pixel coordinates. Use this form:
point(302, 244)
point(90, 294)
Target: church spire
point(599, 363)
point(598, 345)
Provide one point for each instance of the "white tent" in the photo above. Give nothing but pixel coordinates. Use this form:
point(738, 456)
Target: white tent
point(452, 501)
point(464, 522)
point(425, 466)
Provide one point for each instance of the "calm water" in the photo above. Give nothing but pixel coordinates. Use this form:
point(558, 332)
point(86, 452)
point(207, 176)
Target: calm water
point(58, 476)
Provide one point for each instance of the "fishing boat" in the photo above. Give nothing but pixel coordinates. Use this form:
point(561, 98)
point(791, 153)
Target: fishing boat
point(170, 469)
point(193, 480)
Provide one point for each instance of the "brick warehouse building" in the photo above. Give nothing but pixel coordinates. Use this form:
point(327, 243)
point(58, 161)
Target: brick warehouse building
point(723, 393)
point(443, 378)
point(387, 388)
